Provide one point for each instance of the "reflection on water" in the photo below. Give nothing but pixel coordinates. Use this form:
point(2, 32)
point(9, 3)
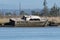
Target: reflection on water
point(30, 33)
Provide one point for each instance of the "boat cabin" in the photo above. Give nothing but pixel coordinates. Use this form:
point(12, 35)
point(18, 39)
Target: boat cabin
point(31, 18)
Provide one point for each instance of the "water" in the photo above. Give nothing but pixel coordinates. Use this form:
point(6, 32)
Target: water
point(48, 33)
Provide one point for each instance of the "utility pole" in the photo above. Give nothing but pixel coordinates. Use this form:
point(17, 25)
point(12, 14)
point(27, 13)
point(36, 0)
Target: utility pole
point(19, 8)
point(44, 3)
point(45, 8)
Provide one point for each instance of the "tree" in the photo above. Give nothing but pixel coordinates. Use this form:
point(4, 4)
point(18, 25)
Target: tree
point(1, 13)
point(14, 13)
point(33, 12)
point(45, 10)
point(8, 14)
point(37, 13)
point(54, 11)
point(59, 12)
point(23, 13)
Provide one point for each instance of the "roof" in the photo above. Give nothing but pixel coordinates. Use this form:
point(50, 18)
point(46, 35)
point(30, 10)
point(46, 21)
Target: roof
point(16, 19)
point(31, 16)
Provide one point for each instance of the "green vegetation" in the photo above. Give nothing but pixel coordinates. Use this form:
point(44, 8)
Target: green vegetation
point(53, 11)
point(23, 13)
point(8, 13)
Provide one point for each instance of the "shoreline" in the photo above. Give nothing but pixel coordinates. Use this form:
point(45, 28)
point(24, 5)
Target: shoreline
point(55, 20)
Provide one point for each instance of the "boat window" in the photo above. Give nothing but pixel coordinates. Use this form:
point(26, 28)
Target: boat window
point(24, 17)
point(34, 19)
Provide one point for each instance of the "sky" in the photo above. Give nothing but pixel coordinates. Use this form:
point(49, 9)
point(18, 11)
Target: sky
point(26, 4)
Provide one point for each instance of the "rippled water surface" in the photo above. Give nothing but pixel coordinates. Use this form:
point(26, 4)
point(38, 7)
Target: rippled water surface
point(50, 33)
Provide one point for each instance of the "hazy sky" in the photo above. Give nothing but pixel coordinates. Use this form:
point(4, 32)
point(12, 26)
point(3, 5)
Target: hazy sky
point(26, 4)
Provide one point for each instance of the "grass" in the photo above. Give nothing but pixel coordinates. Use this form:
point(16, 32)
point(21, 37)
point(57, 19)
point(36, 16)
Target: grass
point(4, 20)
